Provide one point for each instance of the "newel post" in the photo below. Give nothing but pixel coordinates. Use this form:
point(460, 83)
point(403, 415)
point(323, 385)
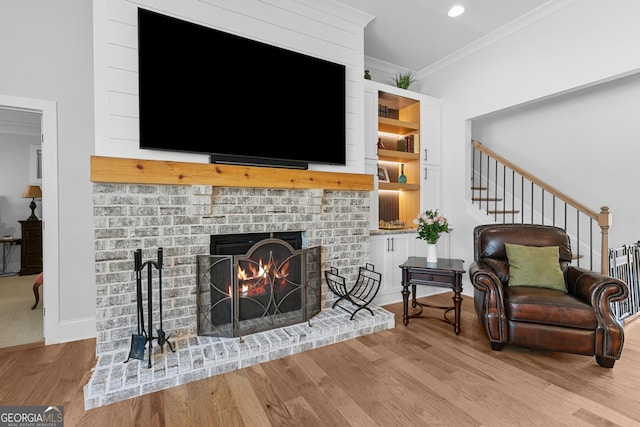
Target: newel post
point(604, 221)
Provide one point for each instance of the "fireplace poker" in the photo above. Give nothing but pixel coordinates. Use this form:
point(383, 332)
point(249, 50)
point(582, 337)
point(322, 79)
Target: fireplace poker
point(139, 340)
point(163, 338)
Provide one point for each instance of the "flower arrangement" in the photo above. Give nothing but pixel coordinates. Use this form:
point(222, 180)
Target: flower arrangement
point(431, 225)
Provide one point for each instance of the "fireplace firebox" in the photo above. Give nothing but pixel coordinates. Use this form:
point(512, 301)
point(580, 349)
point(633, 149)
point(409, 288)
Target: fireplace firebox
point(237, 244)
point(270, 286)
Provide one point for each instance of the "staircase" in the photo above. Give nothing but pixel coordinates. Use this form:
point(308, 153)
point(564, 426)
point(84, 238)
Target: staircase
point(508, 194)
point(498, 208)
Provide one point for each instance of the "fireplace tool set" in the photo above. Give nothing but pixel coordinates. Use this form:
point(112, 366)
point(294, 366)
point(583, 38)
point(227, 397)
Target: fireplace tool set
point(360, 294)
point(140, 340)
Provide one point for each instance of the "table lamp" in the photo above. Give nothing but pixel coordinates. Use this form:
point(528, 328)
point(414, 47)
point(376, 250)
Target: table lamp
point(32, 191)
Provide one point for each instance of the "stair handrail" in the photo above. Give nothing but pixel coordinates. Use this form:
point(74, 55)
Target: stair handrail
point(603, 218)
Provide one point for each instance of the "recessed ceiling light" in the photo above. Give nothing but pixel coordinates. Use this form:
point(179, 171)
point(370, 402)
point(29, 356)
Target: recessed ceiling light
point(456, 11)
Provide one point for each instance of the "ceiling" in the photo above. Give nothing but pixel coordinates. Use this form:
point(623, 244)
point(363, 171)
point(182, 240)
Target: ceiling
point(414, 34)
point(406, 34)
point(19, 122)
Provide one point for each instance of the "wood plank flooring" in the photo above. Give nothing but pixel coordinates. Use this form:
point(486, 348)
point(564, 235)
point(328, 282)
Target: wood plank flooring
point(422, 375)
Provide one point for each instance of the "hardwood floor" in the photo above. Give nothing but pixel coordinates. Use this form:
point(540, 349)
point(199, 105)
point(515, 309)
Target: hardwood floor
point(422, 374)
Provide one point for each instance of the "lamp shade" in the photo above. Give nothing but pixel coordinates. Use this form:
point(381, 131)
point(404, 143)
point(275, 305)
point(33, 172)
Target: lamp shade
point(32, 191)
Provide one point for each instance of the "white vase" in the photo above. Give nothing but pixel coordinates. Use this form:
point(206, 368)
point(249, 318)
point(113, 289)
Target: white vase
point(432, 253)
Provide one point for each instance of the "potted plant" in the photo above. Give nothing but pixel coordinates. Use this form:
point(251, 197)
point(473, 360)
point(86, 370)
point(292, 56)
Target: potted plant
point(403, 79)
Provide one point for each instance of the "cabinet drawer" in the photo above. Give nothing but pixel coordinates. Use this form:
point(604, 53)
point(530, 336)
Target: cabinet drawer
point(431, 278)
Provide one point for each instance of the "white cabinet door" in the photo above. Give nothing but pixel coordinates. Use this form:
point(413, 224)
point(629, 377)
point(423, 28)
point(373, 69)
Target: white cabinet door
point(430, 133)
point(379, 252)
point(430, 188)
point(387, 253)
point(430, 200)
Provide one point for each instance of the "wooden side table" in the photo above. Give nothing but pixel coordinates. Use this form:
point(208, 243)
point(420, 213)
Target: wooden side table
point(31, 260)
point(10, 242)
point(446, 273)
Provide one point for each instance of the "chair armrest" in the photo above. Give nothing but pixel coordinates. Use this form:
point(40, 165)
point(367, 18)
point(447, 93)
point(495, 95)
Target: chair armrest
point(485, 279)
point(489, 301)
point(596, 289)
point(600, 291)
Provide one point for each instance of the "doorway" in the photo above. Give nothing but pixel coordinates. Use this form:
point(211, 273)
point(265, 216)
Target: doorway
point(47, 110)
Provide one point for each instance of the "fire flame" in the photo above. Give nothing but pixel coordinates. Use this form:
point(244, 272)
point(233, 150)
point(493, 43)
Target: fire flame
point(257, 276)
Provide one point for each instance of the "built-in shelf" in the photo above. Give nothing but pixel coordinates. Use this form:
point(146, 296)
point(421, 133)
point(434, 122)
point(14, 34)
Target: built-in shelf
point(400, 127)
point(396, 186)
point(396, 156)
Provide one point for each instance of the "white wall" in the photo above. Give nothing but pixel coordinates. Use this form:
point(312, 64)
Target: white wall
point(581, 44)
point(591, 138)
point(48, 47)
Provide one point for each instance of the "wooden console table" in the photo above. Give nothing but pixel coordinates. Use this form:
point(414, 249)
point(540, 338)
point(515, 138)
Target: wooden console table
point(446, 273)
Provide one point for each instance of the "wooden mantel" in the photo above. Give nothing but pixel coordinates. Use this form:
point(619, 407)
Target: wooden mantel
point(136, 171)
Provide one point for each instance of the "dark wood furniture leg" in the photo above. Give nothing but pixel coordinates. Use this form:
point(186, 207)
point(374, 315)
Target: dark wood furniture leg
point(405, 297)
point(457, 303)
point(36, 285)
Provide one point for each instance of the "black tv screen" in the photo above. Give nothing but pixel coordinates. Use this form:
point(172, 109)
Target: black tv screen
point(202, 90)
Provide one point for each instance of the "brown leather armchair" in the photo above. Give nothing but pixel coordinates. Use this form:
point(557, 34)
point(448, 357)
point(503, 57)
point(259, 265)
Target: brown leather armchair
point(578, 321)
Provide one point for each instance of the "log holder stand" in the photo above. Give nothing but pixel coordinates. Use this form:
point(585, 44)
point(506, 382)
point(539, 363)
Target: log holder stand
point(360, 294)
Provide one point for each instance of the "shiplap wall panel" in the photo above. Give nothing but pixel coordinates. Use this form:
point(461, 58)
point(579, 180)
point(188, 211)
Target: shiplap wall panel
point(123, 34)
point(294, 26)
point(123, 11)
point(318, 30)
point(122, 58)
point(124, 128)
point(125, 81)
point(352, 150)
point(124, 104)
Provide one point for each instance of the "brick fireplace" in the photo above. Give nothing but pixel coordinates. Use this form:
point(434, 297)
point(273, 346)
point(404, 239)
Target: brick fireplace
point(181, 218)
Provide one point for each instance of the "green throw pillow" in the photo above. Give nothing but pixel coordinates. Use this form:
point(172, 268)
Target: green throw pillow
point(536, 266)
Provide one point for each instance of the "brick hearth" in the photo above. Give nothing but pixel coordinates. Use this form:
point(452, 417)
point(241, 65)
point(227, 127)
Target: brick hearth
point(199, 357)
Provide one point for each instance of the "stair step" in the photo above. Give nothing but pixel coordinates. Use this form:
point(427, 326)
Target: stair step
point(503, 212)
point(479, 188)
point(486, 199)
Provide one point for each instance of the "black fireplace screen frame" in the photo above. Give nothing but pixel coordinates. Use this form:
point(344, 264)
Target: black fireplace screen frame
point(221, 315)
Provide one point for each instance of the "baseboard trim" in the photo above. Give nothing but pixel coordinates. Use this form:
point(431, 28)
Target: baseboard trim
point(77, 329)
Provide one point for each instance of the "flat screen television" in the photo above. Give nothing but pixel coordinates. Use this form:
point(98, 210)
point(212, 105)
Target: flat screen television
point(239, 100)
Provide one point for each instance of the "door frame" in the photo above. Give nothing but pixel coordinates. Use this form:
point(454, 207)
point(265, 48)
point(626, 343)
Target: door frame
point(50, 218)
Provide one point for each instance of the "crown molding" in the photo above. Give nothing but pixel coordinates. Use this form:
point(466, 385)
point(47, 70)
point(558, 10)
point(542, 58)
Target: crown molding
point(383, 66)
